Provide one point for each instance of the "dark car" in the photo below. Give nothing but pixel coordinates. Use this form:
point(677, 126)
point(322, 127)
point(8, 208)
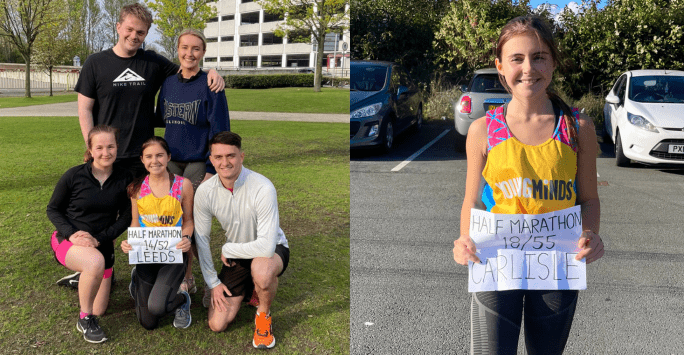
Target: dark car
point(383, 102)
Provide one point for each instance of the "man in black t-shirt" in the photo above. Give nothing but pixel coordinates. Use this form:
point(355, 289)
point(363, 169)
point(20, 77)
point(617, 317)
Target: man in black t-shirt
point(117, 87)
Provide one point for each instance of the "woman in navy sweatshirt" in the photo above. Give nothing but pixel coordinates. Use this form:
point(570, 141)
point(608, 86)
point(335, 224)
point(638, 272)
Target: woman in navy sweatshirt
point(193, 114)
point(90, 208)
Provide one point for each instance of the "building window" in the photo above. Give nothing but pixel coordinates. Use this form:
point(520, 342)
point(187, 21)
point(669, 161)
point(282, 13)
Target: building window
point(333, 42)
point(249, 18)
point(210, 59)
point(297, 60)
point(227, 38)
point(272, 17)
point(249, 40)
point(213, 19)
point(226, 59)
point(227, 17)
point(271, 61)
point(270, 38)
point(299, 37)
point(244, 1)
point(248, 62)
point(212, 39)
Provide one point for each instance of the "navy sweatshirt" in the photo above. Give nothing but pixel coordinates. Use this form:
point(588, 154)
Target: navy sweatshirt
point(193, 114)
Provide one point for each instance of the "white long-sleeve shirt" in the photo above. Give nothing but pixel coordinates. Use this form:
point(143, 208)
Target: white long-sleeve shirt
point(248, 215)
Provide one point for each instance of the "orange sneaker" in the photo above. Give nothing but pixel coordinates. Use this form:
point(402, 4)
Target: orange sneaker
point(254, 301)
point(263, 334)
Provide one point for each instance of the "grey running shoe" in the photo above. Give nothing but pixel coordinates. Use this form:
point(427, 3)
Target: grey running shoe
point(70, 281)
point(131, 286)
point(183, 317)
point(206, 300)
point(92, 332)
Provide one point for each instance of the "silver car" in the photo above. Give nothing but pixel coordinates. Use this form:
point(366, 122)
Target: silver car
point(483, 93)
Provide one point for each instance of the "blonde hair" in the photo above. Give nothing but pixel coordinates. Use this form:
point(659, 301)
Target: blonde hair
point(194, 32)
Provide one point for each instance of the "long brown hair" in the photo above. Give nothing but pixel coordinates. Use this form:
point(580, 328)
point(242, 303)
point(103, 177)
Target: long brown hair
point(134, 187)
point(87, 156)
point(539, 27)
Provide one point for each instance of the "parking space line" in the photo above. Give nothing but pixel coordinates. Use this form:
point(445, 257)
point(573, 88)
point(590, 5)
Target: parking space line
point(419, 152)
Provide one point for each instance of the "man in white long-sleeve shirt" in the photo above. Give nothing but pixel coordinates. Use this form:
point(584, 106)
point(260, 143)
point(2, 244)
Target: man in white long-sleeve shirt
point(256, 250)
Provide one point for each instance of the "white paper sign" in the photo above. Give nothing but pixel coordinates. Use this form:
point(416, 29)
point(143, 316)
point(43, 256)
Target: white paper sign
point(526, 252)
point(154, 245)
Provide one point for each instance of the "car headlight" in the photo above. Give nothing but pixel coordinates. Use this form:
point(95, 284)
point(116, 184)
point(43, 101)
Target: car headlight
point(641, 122)
point(367, 111)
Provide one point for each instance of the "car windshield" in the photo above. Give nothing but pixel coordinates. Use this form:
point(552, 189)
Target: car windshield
point(655, 88)
point(487, 83)
point(367, 78)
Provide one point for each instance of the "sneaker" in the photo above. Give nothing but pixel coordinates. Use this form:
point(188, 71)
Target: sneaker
point(188, 285)
point(183, 317)
point(254, 301)
point(92, 332)
point(263, 334)
point(206, 300)
point(131, 286)
point(70, 281)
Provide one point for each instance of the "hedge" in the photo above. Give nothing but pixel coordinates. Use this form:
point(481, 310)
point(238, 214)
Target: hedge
point(265, 81)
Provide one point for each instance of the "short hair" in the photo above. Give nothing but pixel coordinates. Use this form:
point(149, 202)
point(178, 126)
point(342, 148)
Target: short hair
point(227, 138)
point(139, 11)
point(194, 32)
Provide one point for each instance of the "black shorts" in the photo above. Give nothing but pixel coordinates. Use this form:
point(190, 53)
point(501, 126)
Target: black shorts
point(238, 278)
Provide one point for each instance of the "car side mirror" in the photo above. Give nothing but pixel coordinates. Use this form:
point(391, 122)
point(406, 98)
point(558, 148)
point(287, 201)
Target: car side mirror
point(612, 99)
point(401, 90)
point(464, 88)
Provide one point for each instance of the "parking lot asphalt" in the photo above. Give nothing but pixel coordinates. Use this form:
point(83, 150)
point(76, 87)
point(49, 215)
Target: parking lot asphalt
point(408, 296)
point(71, 109)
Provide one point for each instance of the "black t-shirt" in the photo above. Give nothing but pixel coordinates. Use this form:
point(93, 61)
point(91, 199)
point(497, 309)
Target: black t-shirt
point(124, 90)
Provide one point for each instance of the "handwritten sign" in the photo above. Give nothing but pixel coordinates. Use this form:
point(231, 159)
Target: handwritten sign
point(154, 245)
point(528, 252)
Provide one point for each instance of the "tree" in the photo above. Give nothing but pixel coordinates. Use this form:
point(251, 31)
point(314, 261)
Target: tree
point(173, 16)
point(21, 22)
point(318, 17)
point(396, 30)
point(467, 35)
point(624, 35)
point(110, 16)
point(52, 47)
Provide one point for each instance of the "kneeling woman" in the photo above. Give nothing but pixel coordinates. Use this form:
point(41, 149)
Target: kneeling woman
point(90, 209)
point(160, 199)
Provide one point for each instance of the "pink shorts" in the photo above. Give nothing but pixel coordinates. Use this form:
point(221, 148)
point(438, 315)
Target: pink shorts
point(62, 248)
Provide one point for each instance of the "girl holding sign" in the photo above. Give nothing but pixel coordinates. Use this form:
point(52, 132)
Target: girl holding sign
point(539, 139)
point(90, 209)
point(160, 199)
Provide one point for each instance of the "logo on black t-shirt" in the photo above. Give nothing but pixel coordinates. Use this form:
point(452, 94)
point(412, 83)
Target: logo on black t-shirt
point(129, 76)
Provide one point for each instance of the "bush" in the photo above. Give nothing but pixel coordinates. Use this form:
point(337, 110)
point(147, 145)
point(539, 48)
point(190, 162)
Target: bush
point(269, 81)
point(438, 99)
point(593, 107)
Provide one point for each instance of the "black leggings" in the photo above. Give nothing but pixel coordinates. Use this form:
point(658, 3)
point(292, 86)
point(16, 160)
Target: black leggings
point(496, 318)
point(156, 291)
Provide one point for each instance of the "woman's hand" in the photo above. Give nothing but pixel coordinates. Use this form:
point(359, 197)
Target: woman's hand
point(591, 245)
point(84, 239)
point(125, 247)
point(184, 245)
point(464, 250)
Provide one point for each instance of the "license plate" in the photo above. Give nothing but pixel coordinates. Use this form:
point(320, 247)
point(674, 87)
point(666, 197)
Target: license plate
point(676, 149)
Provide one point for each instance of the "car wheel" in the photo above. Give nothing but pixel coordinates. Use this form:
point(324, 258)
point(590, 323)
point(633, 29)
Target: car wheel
point(419, 122)
point(388, 137)
point(620, 158)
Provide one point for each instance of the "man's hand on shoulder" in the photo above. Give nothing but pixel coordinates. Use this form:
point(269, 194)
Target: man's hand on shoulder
point(215, 81)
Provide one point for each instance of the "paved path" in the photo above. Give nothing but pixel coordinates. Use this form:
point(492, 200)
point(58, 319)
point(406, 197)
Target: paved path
point(70, 109)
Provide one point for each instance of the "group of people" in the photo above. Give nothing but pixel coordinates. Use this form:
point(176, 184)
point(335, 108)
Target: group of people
point(132, 178)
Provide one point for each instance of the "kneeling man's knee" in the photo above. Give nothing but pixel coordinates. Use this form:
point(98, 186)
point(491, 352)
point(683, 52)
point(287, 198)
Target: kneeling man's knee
point(217, 326)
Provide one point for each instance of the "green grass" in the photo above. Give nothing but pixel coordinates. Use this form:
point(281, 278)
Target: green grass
point(309, 166)
point(7, 102)
point(303, 100)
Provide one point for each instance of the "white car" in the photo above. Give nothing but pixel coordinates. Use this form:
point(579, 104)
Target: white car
point(644, 116)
